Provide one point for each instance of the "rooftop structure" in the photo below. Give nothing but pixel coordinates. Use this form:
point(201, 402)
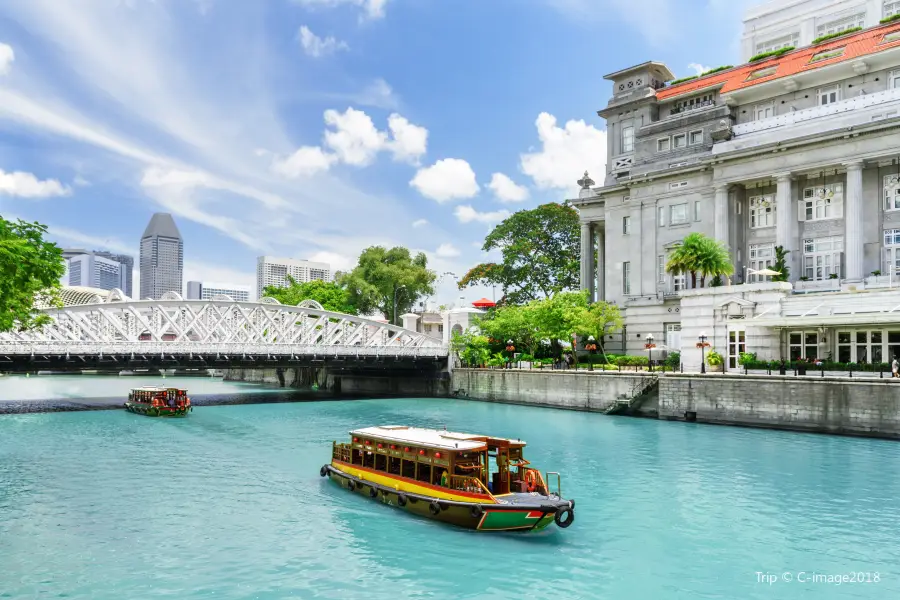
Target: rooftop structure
point(433, 438)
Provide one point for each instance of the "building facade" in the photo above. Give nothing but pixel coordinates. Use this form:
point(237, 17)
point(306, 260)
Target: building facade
point(781, 23)
point(127, 263)
point(200, 290)
point(162, 257)
point(275, 271)
point(93, 269)
point(798, 151)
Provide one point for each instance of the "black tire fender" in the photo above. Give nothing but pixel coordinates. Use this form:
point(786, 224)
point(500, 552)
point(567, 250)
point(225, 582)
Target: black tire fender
point(564, 522)
point(435, 508)
point(401, 500)
point(476, 511)
point(323, 471)
point(350, 485)
point(373, 491)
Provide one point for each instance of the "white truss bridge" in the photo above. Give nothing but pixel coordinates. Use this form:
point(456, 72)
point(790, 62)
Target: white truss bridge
point(117, 325)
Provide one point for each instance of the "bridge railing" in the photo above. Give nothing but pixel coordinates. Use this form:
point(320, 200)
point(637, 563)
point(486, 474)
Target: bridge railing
point(58, 348)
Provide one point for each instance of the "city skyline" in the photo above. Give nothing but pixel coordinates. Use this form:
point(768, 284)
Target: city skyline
point(329, 149)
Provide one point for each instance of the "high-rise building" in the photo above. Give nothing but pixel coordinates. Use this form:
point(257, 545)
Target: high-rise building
point(200, 290)
point(162, 257)
point(97, 269)
point(275, 271)
point(779, 24)
point(127, 263)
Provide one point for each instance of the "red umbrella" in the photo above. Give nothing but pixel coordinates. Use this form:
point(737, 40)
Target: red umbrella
point(483, 303)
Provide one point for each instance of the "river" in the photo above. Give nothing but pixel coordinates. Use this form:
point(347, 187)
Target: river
point(228, 504)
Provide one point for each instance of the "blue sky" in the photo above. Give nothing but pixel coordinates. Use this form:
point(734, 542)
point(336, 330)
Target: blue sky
point(315, 128)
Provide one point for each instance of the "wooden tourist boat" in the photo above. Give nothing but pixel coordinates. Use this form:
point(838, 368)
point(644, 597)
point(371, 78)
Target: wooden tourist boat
point(474, 481)
point(159, 402)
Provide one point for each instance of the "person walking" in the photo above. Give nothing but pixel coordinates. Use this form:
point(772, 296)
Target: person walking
point(895, 368)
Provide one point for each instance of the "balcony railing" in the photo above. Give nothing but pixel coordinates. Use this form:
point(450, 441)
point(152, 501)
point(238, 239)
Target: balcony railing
point(855, 111)
point(677, 110)
point(819, 285)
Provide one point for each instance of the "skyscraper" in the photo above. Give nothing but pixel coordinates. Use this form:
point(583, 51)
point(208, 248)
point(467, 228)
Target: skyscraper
point(127, 263)
point(205, 290)
point(98, 269)
point(162, 257)
point(274, 271)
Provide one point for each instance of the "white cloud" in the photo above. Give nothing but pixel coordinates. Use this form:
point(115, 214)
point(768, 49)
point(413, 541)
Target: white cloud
point(447, 179)
point(26, 185)
point(447, 251)
point(306, 161)
point(565, 154)
point(467, 214)
point(355, 138)
point(698, 68)
point(378, 94)
point(7, 56)
point(420, 223)
point(372, 9)
point(80, 181)
point(315, 46)
point(506, 190)
point(410, 142)
point(338, 262)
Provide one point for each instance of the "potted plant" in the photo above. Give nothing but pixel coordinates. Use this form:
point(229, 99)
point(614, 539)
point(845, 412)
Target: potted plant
point(833, 276)
point(714, 360)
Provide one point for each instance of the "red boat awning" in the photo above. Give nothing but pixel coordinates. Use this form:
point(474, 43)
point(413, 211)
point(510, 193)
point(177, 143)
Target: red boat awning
point(483, 303)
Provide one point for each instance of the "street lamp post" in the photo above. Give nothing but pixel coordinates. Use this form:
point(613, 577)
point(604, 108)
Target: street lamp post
point(650, 346)
point(510, 349)
point(591, 347)
point(703, 345)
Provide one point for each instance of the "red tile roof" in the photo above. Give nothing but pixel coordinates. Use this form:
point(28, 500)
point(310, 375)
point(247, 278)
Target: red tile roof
point(855, 46)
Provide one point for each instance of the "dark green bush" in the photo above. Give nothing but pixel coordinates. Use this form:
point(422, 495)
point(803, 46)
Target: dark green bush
point(716, 70)
point(683, 79)
point(831, 36)
point(770, 54)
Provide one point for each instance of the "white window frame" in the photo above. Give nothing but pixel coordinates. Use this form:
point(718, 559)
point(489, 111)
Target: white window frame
point(889, 8)
point(696, 210)
point(664, 144)
point(784, 41)
point(762, 211)
point(891, 192)
point(695, 138)
point(801, 342)
point(841, 24)
point(673, 336)
point(737, 345)
point(661, 216)
point(677, 185)
point(828, 95)
point(766, 110)
point(628, 139)
point(892, 252)
point(761, 256)
point(822, 257)
point(626, 225)
point(682, 217)
point(679, 140)
point(679, 282)
point(816, 207)
point(626, 278)
point(894, 78)
point(661, 269)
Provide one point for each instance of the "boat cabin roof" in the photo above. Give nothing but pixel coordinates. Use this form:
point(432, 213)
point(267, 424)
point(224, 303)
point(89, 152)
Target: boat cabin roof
point(151, 388)
point(435, 438)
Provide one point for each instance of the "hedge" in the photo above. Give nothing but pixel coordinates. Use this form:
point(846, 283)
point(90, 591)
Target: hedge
point(826, 365)
point(770, 54)
point(831, 36)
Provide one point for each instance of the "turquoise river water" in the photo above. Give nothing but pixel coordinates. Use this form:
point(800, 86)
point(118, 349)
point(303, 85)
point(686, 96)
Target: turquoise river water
point(228, 504)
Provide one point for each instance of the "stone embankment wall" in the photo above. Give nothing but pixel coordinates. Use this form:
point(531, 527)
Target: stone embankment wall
point(347, 384)
point(573, 390)
point(290, 378)
point(830, 404)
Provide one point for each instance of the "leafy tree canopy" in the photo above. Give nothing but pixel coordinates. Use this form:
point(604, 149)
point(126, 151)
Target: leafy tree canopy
point(381, 273)
point(327, 293)
point(699, 254)
point(540, 250)
point(30, 268)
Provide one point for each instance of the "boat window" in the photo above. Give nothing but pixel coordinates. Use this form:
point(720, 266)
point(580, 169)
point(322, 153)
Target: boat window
point(356, 457)
point(380, 462)
point(424, 473)
point(369, 459)
point(409, 469)
point(393, 465)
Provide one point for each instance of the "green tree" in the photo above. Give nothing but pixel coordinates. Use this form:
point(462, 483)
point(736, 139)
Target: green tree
point(512, 322)
point(382, 274)
point(699, 254)
point(540, 250)
point(781, 264)
point(329, 294)
point(30, 269)
point(472, 348)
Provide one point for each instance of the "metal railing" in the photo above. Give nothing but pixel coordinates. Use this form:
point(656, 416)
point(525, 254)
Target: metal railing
point(473, 485)
point(341, 452)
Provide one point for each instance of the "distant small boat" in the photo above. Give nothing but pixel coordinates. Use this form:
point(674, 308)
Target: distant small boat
point(159, 402)
point(473, 481)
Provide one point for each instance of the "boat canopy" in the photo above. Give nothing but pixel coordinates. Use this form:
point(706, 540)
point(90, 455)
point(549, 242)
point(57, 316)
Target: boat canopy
point(435, 438)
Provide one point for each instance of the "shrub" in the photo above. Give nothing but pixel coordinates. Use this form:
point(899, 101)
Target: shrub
point(683, 80)
point(826, 365)
point(831, 36)
point(770, 54)
point(713, 358)
point(632, 361)
point(747, 358)
point(673, 360)
point(716, 70)
point(890, 19)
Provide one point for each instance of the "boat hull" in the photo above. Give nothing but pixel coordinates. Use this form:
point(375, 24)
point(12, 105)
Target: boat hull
point(153, 411)
point(468, 513)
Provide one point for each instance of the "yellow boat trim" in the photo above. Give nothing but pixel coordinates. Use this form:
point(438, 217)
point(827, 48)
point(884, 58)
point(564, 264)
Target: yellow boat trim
point(404, 486)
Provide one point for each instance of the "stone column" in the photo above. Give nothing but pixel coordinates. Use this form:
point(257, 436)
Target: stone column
point(601, 261)
point(587, 259)
point(721, 215)
point(853, 239)
point(784, 214)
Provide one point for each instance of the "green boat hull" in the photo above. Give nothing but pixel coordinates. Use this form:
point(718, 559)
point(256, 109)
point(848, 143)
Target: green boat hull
point(153, 411)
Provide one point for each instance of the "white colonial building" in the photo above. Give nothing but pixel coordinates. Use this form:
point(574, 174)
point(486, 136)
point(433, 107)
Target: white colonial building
point(798, 151)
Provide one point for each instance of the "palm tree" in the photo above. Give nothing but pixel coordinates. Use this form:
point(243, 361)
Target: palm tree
point(700, 254)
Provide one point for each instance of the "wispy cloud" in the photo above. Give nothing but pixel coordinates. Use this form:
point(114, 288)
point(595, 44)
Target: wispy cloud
point(698, 68)
point(371, 9)
point(7, 56)
point(316, 46)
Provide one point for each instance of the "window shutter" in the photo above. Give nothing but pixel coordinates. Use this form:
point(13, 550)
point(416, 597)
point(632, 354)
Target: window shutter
point(801, 210)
